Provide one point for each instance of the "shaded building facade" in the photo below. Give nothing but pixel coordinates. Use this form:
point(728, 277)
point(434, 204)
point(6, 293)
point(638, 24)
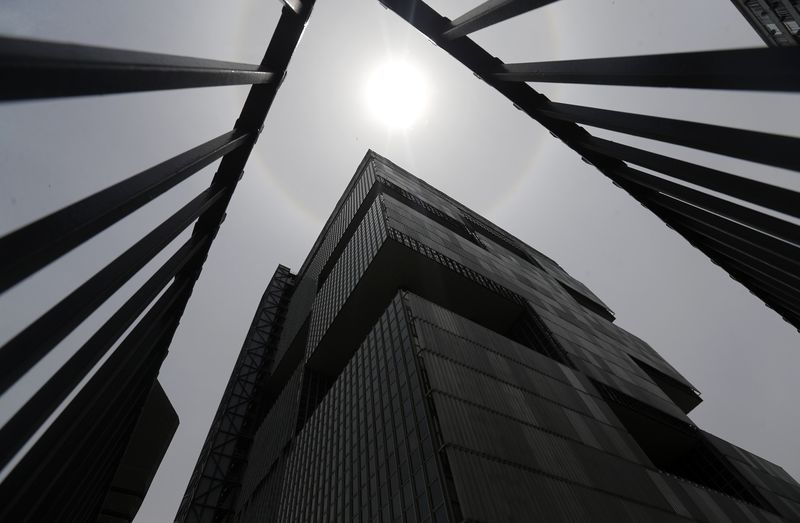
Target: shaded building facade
point(425, 365)
point(777, 22)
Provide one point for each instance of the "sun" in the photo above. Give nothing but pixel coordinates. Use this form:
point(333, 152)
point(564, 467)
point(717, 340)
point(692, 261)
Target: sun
point(396, 94)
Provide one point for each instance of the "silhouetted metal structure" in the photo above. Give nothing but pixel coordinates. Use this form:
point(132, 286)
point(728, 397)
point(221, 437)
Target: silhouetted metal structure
point(217, 476)
point(74, 460)
point(743, 225)
point(445, 371)
point(746, 226)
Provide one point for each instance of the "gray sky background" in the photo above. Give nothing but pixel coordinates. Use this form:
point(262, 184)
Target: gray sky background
point(471, 143)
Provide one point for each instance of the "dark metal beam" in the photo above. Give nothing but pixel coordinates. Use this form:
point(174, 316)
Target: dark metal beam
point(771, 225)
point(489, 13)
point(94, 408)
point(769, 149)
point(32, 344)
point(750, 245)
point(93, 428)
point(777, 294)
point(561, 120)
point(43, 403)
point(32, 247)
point(295, 5)
point(38, 69)
point(774, 286)
point(764, 69)
point(753, 191)
point(789, 309)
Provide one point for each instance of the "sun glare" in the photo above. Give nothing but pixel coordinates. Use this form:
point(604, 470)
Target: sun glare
point(396, 94)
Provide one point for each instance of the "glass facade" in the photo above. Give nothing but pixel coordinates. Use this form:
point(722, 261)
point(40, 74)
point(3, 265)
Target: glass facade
point(432, 367)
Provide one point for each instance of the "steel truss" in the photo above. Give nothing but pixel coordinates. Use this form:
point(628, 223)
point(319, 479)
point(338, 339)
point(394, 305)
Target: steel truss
point(216, 480)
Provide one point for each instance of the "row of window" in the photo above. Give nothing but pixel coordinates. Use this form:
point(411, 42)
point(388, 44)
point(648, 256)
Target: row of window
point(367, 453)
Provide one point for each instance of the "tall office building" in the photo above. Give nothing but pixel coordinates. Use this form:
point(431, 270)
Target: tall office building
point(425, 365)
point(777, 22)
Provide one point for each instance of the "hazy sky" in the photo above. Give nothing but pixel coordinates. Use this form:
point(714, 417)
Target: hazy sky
point(470, 143)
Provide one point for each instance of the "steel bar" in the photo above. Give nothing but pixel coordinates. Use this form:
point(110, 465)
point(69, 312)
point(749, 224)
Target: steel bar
point(433, 25)
point(747, 248)
point(781, 229)
point(763, 69)
point(561, 121)
point(295, 5)
point(756, 265)
point(251, 119)
point(776, 288)
point(788, 252)
point(789, 309)
point(43, 403)
point(787, 312)
point(775, 293)
point(785, 307)
point(29, 346)
point(34, 246)
point(753, 191)
point(793, 9)
point(789, 306)
point(768, 10)
point(759, 279)
point(765, 275)
point(742, 265)
point(38, 69)
point(489, 13)
point(83, 432)
point(140, 352)
point(769, 149)
point(96, 451)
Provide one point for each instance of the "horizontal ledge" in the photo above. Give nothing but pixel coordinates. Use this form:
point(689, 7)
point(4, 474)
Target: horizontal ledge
point(762, 69)
point(37, 69)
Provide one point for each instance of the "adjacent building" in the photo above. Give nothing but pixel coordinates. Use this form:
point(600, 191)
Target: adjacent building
point(777, 22)
point(425, 365)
